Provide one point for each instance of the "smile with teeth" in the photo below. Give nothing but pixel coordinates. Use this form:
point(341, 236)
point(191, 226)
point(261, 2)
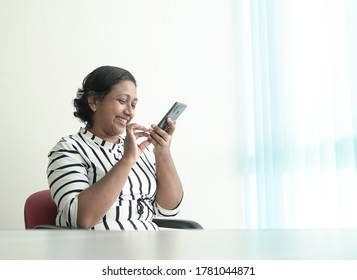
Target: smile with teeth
point(122, 121)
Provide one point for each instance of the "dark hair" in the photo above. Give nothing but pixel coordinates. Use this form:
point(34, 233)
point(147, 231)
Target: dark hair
point(97, 84)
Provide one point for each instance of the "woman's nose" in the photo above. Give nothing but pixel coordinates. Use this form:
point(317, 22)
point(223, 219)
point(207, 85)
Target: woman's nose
point(129, 110)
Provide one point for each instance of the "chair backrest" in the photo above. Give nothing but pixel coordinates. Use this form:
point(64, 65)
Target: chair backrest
point(40, 209)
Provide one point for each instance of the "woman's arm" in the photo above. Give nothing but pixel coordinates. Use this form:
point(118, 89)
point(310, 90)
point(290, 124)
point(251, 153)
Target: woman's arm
point(169, 190)
point(95, 201)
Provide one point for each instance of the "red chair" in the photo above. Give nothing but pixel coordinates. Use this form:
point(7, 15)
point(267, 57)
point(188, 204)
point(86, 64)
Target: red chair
point(40, 209)
point(40, 213)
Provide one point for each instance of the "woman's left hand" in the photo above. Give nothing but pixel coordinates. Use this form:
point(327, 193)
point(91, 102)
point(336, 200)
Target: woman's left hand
point(162, 139)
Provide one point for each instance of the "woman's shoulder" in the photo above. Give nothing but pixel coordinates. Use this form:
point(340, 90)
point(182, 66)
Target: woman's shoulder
point(71, 138)
point(68, 141)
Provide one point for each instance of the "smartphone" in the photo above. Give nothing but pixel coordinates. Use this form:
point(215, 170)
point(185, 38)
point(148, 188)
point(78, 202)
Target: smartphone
point(174, 112)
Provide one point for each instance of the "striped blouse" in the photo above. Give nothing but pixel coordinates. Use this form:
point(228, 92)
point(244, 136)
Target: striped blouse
point(79, 160)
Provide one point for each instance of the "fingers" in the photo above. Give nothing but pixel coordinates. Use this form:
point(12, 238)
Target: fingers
point(160, 137)
point(137, 130)
point(141, 134)
point(132, 147)
point(154, 135)
point(133, 127)
point(157, 139)
point(143, 145)
point(170, 130)
point(172, 126)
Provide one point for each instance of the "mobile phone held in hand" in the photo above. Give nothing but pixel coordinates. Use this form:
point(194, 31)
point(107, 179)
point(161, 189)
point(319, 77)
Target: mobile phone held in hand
point(174, 112)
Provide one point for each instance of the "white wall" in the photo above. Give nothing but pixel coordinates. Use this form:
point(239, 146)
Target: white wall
point(177, 50)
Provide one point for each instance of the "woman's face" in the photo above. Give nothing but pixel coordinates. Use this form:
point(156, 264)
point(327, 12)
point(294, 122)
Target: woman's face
point(114, 112)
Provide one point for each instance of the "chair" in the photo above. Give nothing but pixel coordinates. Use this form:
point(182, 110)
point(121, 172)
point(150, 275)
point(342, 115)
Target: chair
point(40, 213)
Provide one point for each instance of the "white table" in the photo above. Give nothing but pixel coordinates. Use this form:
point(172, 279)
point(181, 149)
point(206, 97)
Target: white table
point(179, 245)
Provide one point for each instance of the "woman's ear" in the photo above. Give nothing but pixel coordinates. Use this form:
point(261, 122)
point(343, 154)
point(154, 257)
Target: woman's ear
point(92, 103)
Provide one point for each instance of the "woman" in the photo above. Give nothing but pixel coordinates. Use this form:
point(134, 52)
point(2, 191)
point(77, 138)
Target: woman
point(102, 180)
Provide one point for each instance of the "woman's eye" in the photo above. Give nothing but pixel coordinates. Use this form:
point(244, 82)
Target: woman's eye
point(133, 106)
point(121, 101)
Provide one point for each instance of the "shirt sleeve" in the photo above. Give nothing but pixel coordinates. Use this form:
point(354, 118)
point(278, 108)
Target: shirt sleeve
point(67, 177)
point(162, 212)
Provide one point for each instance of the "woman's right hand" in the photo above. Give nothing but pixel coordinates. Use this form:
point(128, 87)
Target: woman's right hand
point(133, 150)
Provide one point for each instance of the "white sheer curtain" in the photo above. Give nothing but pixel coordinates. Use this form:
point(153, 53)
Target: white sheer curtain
point(297, 80)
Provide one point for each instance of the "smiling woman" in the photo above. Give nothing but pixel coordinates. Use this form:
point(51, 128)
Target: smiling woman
point(97, 85)
point(102, 180)
point(114, 111)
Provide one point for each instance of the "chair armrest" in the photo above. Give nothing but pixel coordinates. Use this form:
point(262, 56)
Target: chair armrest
point(49, 227)
point(161, 222)
point(176, 223)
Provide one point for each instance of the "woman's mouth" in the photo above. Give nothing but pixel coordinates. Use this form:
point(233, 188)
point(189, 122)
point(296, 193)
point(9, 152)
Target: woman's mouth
point(123, 121)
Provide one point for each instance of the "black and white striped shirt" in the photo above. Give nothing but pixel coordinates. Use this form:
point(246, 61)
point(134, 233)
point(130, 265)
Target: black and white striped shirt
point(78, 161)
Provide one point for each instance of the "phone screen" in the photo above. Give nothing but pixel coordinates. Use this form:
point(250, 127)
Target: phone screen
point(174, 112)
